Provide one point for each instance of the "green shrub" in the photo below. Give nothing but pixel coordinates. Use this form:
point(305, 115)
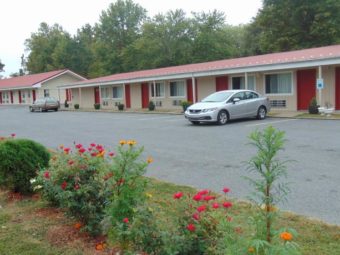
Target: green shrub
point(120, 107)
point(151, 106)
point(313, 106)
point(185, 105)
point(20, 160)
point(96, 106)
point(66, 105)
point(76, 106)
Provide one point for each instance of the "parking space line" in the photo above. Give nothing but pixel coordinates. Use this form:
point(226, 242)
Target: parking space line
point(271, 122)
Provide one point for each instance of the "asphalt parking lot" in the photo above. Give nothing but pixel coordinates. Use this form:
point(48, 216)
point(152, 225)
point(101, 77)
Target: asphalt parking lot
point(204, 156)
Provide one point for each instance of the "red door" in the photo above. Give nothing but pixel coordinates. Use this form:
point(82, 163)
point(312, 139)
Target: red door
point(337, 88)
point(306, 88)
point(11, 93)
point(96, 95)
point(127, 96)
point(145, 95)
point(33, 95)
point(19, 97)
point(0, 98)
point(190, 92)
point(221, 83)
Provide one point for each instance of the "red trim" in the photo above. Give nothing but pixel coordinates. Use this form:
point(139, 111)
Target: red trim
point(96, 95)
point(337, 88)
point(11, 93)
point(190, 92)
point(127, 96)
point(33, 95)
point(145, 95)
point(68, 94)
point(221, 83)
point(306, 88)
point(20, 100)
point(0, 97)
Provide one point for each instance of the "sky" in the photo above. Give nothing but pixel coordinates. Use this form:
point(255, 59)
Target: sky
point(20, 18)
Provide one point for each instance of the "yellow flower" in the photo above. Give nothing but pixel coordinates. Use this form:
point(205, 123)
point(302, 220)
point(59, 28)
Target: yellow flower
point(149, 160)
point(131, 142)
point(286, 236)
point(271, 208)
point(251, 249)
point(122, 142)
point(148, 195)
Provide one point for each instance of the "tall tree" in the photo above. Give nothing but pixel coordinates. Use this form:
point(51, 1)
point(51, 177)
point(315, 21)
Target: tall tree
point(294, 24)
point(1, 68)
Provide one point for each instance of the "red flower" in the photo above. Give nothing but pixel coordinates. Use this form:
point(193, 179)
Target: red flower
point(201, 208)
point(92, 144)
point(78, 146)
point(226, 190)
point(89, 149)
point(178, 195)
point(67, 150)
point(13, 135)
point(47, 175)
point(70, 162)
point(111, 154)
point(196, 216)
point(191, 227)
point(121, 181)
point(203, 192)
point(208, 198)
point(126, 220)
point(227, 204)
point(197, 197)
point(99, 147)
point(81, 150)
point(76, 187)
point(94, 154)
point(63, 185)
point(215, 205)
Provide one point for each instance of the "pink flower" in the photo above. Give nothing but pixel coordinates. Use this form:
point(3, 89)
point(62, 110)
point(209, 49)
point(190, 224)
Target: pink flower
point(215, 205)
point(81, 150)
point(203, 192)
point(197, 197)
point(67, 150)
point(201, 208)
point(89, 149)
point(191, 227)
point(226, 190)
point(99, 147)
point(13, 135)
point(126, 220)
point(111, 154)
point(47, 175)
point(196, 216)
point(78, 146)
point(208, 198)
point(178, 195)
point(93, 145)
point(227, 204)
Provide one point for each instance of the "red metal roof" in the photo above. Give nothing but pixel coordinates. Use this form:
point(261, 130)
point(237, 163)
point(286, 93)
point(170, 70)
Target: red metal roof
point(268, 59)
point(28, 80)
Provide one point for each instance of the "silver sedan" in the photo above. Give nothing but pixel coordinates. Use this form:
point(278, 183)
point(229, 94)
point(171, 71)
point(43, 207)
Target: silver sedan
point(226, 105)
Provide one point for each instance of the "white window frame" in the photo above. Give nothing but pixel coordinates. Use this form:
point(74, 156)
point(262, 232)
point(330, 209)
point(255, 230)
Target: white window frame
point(105, 90)
point(162, 83)
point(122, 88)
point(279, 94)
point(5, 97)
point(185, 92)
point(243, 76)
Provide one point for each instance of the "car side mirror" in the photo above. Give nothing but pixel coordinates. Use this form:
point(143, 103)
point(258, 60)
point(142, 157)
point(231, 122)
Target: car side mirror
point(235, 100)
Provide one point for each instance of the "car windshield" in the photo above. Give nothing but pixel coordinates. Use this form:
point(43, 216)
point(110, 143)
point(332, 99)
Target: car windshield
point(39, 101)
point(217, 97)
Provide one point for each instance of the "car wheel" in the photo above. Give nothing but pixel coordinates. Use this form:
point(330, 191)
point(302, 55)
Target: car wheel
point(195, 122)
point(222, 117)
point(261, 113)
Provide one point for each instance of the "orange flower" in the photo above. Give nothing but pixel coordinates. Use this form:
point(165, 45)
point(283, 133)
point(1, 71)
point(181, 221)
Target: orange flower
point(286, 236)
point(149, 160)
point(78, 225)
point(122, 142)
point(100, 246)
point(131, 142)
point(251, 249)
point(101, 154)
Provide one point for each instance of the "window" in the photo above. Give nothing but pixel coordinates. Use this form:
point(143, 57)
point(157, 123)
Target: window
point(278, 83)
point(105, 93)
point(177, 89)
point(239, 82)
point(5, 97)
point(46, 93)
point(159, 89)
point(117, 92)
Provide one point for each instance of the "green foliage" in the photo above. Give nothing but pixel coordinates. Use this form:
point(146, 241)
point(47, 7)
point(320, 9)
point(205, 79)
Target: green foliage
point(151, 106)
point(76, 106)
point(20, 160)
point(313, 106)
point(96, 106)
point(66, 104)
point(120, 106)
point(1, 66)
point(185, 104)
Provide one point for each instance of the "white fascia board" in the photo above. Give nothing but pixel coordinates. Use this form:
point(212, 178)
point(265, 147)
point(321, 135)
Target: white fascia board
point(38, 85)
point(227, 71)
point(9, 89)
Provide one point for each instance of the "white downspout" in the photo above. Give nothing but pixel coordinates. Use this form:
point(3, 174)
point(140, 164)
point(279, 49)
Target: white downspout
point(319, 90)
point(193, 88)
point(246, 80)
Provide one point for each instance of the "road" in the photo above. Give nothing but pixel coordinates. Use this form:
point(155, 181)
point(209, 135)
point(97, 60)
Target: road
point(205, 156)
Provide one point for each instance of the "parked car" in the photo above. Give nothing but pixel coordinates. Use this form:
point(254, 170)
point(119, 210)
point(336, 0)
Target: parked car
point(227, 105)
point(45, 104)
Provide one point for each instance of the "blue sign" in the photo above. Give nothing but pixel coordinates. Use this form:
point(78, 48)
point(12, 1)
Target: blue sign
point(319, 84)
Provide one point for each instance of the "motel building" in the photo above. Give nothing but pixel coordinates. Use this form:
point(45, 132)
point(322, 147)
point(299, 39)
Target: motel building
point(24, 90)
point(289, 79)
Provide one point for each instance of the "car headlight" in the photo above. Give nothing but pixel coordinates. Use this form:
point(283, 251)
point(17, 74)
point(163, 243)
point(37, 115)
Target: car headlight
point(210, 109)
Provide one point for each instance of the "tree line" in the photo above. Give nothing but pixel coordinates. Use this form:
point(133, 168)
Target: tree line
point(126, 39)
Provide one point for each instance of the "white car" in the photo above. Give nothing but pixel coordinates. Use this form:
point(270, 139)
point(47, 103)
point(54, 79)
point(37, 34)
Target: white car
point(227, 105)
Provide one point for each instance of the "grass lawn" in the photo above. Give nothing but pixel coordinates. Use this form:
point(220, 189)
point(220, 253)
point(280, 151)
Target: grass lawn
point(29, 226)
